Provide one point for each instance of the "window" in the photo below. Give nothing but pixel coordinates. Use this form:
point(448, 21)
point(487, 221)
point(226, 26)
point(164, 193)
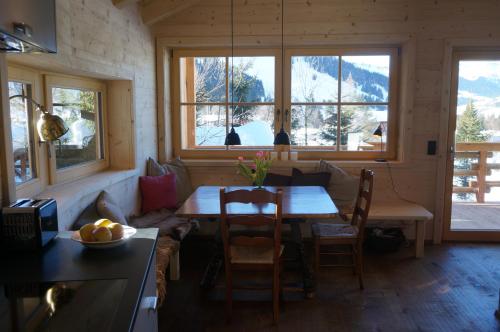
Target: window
point(207, 107)
point(79, 102)
point(22, 128)
point(337, 99)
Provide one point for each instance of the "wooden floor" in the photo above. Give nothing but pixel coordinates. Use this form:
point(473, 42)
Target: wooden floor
point(478, 216)
point(454, 288)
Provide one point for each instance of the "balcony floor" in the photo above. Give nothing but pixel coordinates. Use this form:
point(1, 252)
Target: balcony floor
point(476, 216)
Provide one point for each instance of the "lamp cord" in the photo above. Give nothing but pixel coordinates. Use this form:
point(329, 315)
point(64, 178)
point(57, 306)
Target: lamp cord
point(282, 60)
point(232, 63)
point(398, 194)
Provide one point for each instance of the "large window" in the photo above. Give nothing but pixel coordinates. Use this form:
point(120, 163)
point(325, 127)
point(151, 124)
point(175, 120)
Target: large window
point(206, 82)
point(341, 103)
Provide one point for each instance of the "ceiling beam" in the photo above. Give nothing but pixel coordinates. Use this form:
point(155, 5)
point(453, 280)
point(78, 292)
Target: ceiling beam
point(123, 3)
point(156, 10)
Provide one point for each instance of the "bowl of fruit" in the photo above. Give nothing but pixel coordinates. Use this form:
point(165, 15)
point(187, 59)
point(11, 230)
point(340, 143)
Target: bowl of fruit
point(103, 234)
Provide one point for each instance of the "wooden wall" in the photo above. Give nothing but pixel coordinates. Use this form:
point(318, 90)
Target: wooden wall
point(430, 27)
point(99, 40)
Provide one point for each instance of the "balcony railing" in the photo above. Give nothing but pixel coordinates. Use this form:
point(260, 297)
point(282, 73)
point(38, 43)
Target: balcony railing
point(479, 168)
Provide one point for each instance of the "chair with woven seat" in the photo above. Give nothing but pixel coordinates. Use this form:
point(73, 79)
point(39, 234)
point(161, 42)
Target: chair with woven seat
point(258, 251)
point(328, 234)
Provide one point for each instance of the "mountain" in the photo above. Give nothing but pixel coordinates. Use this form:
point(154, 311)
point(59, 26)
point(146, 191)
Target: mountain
point(369, 82)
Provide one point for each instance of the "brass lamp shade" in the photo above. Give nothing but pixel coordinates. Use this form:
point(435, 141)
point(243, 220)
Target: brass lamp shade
point(51, 127)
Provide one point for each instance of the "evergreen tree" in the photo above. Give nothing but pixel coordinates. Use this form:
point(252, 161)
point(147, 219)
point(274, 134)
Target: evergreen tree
point(329, 131)
point(470, 126)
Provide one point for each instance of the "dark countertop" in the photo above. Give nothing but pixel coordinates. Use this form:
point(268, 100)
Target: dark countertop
point(66, 260)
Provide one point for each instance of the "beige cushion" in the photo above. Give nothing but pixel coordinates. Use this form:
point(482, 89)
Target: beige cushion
point(343, 187)
point(253, 255)
point(334, 230)
point(109, 209)
point(183, 185)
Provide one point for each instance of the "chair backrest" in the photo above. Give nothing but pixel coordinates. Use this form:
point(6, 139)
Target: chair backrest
point(363, 201)
point(261, 198)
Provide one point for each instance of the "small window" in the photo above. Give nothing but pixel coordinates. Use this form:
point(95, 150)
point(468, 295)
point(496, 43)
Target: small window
point(81, 111)
point(80, 103)
point(22, 128)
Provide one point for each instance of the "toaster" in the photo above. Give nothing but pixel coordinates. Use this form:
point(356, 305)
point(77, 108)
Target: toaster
point(28, 225)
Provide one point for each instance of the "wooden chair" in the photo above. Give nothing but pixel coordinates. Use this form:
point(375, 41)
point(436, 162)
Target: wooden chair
point(248, 252)
point(347, 234)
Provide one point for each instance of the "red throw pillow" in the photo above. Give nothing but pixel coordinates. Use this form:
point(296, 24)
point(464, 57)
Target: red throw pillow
point(158, 192)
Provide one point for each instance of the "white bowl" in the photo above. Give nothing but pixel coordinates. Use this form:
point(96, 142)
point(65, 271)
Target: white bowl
point(128, 232)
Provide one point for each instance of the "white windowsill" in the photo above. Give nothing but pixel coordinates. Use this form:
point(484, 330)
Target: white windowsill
point(297, 163)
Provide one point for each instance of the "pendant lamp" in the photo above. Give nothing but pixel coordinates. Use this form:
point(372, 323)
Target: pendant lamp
point(232, 138)
point(282, 137)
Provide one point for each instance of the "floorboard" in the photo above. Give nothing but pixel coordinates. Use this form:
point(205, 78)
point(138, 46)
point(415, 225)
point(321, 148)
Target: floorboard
point(454, 288)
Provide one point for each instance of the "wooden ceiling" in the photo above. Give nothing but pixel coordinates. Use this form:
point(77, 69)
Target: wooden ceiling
point(153, 11)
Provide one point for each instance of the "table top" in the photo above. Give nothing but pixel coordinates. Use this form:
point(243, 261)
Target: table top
point(298, 202)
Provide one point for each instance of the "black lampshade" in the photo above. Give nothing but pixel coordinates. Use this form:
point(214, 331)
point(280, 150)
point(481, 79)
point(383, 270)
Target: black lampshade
point(378, 131)
point(282, 138)
point(232, 138)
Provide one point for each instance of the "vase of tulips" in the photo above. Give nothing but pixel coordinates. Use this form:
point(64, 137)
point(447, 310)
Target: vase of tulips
point(257, 170)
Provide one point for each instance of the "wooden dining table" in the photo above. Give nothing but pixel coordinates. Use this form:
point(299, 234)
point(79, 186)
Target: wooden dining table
point(300, 203)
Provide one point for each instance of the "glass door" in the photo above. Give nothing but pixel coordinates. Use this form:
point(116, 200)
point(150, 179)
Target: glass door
point(473, 209)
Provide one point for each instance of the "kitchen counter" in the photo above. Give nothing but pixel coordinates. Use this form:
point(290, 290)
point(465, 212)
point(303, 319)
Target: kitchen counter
point(66, 260)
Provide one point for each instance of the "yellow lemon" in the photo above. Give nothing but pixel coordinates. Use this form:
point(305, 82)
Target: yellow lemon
point(103, 222)
point(86, 232)
point(102, 234)
point(116, 230)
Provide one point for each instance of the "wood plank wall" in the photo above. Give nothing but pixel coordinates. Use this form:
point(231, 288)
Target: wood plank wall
point(429, 24)
point(99, 40)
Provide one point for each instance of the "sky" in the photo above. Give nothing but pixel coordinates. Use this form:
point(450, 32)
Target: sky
point(472, 70)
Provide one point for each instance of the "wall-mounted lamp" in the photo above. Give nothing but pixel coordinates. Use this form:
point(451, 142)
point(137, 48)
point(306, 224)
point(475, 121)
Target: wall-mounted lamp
point(50, 127)
point(379, 132)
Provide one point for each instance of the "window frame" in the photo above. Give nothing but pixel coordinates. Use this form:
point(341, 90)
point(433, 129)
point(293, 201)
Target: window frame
point(305, 153)
point(28, 76)
point(318, 152)
point(219, 152)
point(84, 169)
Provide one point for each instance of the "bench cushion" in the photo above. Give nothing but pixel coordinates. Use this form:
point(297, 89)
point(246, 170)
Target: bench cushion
point(166, 221)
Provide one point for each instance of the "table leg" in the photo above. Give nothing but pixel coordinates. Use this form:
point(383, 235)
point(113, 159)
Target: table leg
point(212, 270)
point(419, 238)
point(307, 277)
